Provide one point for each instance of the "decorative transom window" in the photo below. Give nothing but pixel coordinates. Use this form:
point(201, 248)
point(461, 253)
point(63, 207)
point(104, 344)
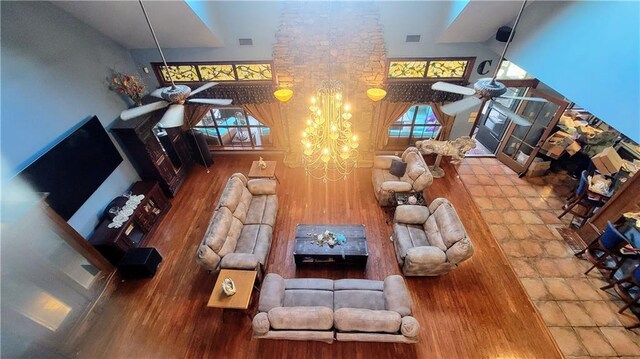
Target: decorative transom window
point(183, 72)
point(430, 69)
point(232, 128)
point(418, 123)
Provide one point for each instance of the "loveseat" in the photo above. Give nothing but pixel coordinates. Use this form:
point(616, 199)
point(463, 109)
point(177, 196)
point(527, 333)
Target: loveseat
point(416, 178)
point(345, 310)
point(241, 228)
point(429, 241)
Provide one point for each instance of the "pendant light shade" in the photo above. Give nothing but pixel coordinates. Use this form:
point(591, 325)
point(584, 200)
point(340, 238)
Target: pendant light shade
point(283, 95)
point(376, 94)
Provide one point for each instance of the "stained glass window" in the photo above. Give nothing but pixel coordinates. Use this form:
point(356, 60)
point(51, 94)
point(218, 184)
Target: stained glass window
point(253, 71)
point(181, 73)
point(216, 72)
point(447, 69)
point(407, 69)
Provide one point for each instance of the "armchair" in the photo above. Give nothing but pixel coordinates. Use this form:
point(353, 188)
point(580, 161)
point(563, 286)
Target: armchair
point(416, 178)
point(429, 241)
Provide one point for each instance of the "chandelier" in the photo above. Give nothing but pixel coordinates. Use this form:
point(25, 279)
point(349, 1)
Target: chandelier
point(329, 147)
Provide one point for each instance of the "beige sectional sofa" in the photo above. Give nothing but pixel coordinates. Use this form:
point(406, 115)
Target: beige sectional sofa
point(417, 177)
point(430, 241)
point(241, 228)
point(345, 310)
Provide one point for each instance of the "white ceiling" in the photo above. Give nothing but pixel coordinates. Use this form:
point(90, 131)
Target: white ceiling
point(175, 23)
point(480, 19)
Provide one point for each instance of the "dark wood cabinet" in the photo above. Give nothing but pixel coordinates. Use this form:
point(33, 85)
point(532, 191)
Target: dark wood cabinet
point(113, 243)
point(157, 154)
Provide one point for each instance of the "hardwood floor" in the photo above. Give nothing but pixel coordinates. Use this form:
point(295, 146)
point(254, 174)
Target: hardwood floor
point(478, 310)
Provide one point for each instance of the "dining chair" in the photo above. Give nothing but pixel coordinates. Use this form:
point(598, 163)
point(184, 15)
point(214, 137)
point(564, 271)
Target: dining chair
point(580, 198)
point(608, 245)
point(623, 287)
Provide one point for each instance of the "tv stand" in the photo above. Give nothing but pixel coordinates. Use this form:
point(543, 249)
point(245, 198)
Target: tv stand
point(113, 243)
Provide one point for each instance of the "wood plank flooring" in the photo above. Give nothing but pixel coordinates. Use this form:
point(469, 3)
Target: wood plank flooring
point(478, 310)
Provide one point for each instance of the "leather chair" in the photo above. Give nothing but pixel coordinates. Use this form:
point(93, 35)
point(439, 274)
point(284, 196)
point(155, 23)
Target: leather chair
point(417, 177)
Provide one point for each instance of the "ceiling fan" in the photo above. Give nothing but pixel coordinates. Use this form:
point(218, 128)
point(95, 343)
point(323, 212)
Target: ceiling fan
point(173, 96)
point(486, 89)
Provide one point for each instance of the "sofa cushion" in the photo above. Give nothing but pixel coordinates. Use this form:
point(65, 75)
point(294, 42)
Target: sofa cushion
point(366, 320)
point(262, 186)
point(308, 283)
point(433, 233)
point(218, 230)
point(415, 166)
point(231, 194)
point(308, 298)
point(410, 327)
point(460, 251)
point(260, 323)
point(396, 295)
point(314, 318)
point(426, 256)
point(346, 284)
point(398, 168)
point(243, 206)
point(262, 210)
point(449, 224)
point(255, 239)
point(366, 299)
point(231, 241)
point(409, 236)
point(271, 293)
point(384, 161)
point(380, 176)
point(411, 214)
point(240, 261)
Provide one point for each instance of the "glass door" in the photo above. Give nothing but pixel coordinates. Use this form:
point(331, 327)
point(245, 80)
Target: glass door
point(493, 123)
point(521, 144)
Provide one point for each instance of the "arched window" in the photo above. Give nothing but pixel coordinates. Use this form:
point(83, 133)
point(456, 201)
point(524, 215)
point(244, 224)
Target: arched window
point(230, 128)
point(418, 123)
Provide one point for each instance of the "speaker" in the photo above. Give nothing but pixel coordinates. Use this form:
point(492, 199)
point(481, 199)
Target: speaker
point(139, 263)
point(503, 34)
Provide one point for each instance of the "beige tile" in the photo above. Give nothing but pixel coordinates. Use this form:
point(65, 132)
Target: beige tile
point(511, 217)
point(583, 288)
point(502, 180)
point(519, 203)
point(557, 249)
point(626, 318)
point(523, 268)
point(464, 170)
point(512, 248)
point(500, 232)
point(528, 191)
point(601, 313)
point(568, 341)
point(501, 203)
point(492, 216)
point(550, 217)
point(469, 179)
point(483, 202)
point(623, 341)
point(493, 190)
point(555, 203)
point(510, 191)
point(576, 314)
point(486, 180)
point(552, 314)
point(537, 202)
point(547, 268)
point(479, 170)
point(530, 217)
point(572, 267)
point(518, 231)
point(531, 248)
point(496, 170)
point(595, 342)
point(559, 289)
point(540, 231)
point(535, 288)
point(476, 190)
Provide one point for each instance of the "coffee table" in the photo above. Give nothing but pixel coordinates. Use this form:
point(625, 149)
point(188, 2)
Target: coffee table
point(267, 172)
point(354, 252)
point(244, 281)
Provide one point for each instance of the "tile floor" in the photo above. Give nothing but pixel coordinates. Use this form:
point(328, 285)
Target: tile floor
point(522, 214)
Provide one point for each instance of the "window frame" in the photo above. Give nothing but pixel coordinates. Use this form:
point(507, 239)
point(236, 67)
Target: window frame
point(411, 139)
point(465, 77)
point(157, 70)
point(248, 126)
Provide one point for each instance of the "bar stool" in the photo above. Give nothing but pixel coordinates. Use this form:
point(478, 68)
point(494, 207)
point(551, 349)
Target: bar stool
point(580, 197)
point(609, 244)
point(633, 279)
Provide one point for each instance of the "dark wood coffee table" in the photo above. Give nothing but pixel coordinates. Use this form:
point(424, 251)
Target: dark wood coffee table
point(354, 251)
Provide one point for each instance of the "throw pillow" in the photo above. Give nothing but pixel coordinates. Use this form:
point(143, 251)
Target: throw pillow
point(398, 168)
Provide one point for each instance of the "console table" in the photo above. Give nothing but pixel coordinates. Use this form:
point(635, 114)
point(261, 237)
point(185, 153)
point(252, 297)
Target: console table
point(113, 243)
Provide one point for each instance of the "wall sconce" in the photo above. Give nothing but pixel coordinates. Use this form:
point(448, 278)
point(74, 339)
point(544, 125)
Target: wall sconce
point(283, 95)
point(376, 94)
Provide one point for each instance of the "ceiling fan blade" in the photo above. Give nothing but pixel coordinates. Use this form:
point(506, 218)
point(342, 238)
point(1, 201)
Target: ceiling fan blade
point(203, 87)
point(447, 87)
point(174, 117)
point(141, 110)
point(536, 99)
point(211, 101)
point(517, 119)
point(157, 93)
point(455, 108)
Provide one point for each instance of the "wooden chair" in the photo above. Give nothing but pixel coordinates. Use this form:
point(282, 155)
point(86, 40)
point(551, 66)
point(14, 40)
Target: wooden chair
point(608, 245)
point(580, 198)
point(623, 287)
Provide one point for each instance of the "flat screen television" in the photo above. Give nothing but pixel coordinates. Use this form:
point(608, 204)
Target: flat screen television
point(74, 168)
